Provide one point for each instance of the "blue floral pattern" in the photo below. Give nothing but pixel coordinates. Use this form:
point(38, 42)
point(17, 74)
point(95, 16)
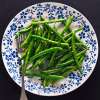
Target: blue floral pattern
point(53, 10)
point(86, 28)
point(82, 35)
point(13, 27)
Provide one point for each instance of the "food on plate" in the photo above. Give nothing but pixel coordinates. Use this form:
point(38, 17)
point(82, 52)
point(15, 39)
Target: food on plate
point(49, 53)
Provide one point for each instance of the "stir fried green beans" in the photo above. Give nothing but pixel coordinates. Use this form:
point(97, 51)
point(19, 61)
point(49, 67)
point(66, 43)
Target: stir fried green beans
point(49, 41)
point(42, 53)
point(52, 30)
point(68, 70)
point(51, 63)
point(67, 24)
point(27, 39)
point(66, 63)
point(69, 35)
point(48, 21)
point(50, 54)
point(74, 50)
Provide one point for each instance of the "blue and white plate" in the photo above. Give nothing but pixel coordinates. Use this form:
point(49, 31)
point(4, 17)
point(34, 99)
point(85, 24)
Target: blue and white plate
point(49, 10)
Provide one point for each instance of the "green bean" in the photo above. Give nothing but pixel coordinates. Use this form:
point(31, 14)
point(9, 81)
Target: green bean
point(69, 39)
point(65, 63)
point(30, 48)
point(44, 75)
point(38, 48)
point(52, 71)
point(27, 40)
point(81, 45)
point(28, 55)
point(61, 54)
point(54, 31)
point(31, 73)
point(74, 51)
point(67, 36)
point(68, 23)
point(68, 62)
point(68, 70)
point(48, 21)
point(50, 41)
point(81, 53)
point(24, 54)
point(81, 59)
point(46, 82)
point(78, 40)
point(39, 30)
point(69, 55)
point(55, 77)
point(41, 46)
point(66, 56)
point(57, 33)
point(52, 59)
point(51, 77)
point(24, 30)
point(80, 62)
point(38, 62)
point(46, 51)
point(78, 30)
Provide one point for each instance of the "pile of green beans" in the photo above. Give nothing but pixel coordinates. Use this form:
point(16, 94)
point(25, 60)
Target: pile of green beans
point(50, 54)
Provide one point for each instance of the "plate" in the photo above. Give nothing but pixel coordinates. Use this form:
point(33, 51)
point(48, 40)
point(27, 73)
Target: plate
point(49, 10)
